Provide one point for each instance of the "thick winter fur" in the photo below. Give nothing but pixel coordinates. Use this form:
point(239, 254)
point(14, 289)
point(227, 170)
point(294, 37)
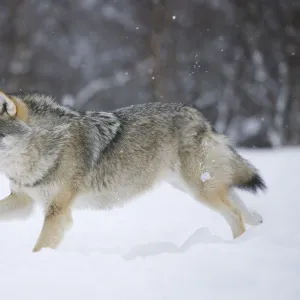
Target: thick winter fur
point(62, 159)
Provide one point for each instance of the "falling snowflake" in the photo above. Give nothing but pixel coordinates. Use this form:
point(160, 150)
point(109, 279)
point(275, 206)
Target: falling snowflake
point(205, 176)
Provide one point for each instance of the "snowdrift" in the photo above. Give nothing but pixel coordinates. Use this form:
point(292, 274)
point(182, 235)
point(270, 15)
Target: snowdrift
point(165, 245)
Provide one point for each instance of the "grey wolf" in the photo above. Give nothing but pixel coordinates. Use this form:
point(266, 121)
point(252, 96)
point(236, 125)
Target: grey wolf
point(61, 159)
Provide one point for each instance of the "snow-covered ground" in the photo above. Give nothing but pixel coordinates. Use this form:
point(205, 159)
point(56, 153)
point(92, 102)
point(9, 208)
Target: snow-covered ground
point(165, 246)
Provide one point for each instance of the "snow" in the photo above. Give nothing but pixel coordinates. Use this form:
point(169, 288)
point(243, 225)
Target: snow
point(165, 246)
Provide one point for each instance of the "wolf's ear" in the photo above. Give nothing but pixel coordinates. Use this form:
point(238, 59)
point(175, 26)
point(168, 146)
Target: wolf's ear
point(13, 107)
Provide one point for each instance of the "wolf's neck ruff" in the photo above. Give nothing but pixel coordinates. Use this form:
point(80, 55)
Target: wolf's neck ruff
point(42, 180)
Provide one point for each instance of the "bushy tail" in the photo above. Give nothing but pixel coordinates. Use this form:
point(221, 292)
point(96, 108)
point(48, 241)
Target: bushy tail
point(245, 175)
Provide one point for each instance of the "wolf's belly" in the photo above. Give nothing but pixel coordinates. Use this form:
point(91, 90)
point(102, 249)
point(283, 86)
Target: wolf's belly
point(98, 200)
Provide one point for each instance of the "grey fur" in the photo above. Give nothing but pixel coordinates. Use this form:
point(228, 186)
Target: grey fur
point(63, 158)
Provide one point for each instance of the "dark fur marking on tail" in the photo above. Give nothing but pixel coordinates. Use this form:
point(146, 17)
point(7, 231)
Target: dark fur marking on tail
point(254, 184)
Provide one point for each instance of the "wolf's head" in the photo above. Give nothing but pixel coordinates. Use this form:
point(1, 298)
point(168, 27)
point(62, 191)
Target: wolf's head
point(27, 146)
point(13, 116)
point(13, 130)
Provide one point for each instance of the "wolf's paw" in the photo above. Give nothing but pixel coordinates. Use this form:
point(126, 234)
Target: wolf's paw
point(253, 218)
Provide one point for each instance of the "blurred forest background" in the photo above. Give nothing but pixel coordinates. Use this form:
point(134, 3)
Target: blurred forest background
point(236, 60)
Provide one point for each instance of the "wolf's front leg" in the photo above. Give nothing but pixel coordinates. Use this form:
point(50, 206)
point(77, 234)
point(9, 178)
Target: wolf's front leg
point(15, 206)
point(57, 220)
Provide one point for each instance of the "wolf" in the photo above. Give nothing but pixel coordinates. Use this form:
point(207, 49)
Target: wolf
point(61, 159)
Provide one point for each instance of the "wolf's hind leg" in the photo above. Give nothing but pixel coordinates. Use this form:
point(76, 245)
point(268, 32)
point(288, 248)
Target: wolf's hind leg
point(211, 188)
point(15, 206)
point(218, 201)
point(250, 217)
point(214, 194)
point(57, 221)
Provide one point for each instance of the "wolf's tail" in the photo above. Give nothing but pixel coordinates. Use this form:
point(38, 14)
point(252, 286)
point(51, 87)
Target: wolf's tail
point(245, 175)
